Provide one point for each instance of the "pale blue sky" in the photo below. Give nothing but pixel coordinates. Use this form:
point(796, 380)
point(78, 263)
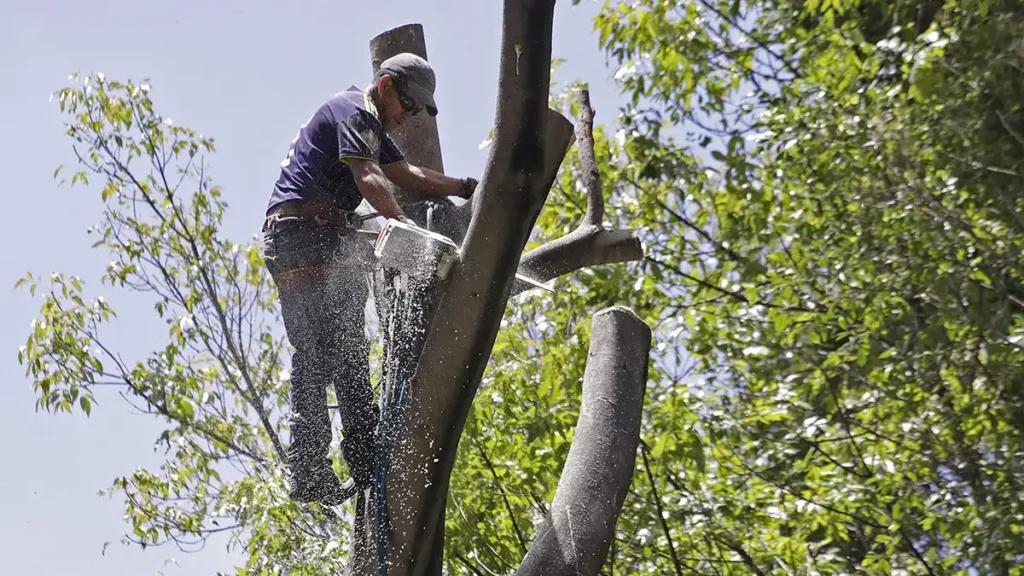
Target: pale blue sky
point(248, 74)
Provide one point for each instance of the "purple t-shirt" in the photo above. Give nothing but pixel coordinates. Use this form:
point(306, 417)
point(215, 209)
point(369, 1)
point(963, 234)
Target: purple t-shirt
point(346, 126)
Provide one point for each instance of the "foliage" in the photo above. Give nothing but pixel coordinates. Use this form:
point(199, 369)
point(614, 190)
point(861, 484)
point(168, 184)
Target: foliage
point(836, 188)
point(828, 193)
point(218, 384)
point(830, 197)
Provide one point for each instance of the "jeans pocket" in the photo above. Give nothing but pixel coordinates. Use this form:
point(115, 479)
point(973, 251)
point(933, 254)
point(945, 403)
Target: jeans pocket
point(289, 247)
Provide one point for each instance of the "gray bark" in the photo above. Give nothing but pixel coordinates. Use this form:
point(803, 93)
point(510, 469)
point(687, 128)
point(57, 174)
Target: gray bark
point(599, 468)
point(585, 246)
point(529, 145)
point(591, 243)
point(513, 189)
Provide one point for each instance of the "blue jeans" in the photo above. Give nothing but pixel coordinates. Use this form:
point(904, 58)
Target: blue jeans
point(321, 273)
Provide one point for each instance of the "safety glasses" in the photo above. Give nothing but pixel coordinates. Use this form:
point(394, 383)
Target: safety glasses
point(407, 103)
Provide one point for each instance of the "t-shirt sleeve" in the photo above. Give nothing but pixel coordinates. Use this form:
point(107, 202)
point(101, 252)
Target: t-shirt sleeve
point(390, 152)
point(358, 136)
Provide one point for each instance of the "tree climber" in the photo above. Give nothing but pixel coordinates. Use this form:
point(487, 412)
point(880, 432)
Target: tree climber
point(320, 263)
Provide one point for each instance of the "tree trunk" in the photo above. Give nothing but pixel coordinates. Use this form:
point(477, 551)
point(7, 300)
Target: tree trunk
point(514, 187)
point(599, 468)
point(530, 143)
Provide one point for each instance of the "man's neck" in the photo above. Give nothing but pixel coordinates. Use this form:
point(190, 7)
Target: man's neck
point(374, 95)
point(373, 102)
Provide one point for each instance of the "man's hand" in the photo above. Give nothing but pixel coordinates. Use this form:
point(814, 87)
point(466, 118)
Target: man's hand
point(468, 187)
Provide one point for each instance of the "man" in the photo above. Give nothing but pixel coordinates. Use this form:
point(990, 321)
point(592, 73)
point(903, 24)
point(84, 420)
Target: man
point(320, 263)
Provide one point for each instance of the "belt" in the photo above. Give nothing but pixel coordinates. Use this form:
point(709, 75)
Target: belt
point(316, 213)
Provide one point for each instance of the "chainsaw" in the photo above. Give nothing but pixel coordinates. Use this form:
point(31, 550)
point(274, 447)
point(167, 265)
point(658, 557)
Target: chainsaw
point(424, 255)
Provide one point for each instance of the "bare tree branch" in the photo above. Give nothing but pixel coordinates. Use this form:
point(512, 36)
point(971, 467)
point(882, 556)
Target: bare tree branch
point(591, 244)
point(529, 145)
point(588, 162)
point(504, 497)
point(583, 247)
point(661, 513)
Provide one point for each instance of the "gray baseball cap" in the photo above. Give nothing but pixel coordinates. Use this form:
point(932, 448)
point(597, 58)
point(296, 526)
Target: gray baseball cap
point(418, 77)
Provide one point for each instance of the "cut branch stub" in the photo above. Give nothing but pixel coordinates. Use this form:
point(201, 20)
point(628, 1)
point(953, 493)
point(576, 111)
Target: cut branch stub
point(417, 138)
point(588, 162)
point(590, 244)
point(580, 526)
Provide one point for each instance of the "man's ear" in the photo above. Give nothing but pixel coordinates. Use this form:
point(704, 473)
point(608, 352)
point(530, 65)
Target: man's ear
point(383, 84)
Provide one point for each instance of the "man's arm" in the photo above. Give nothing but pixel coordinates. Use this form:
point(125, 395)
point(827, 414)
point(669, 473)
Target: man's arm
point(424, 180)
point(373, 185)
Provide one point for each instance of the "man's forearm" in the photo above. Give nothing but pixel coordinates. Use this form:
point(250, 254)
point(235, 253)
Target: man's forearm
point(374, 186)
point(431, 183)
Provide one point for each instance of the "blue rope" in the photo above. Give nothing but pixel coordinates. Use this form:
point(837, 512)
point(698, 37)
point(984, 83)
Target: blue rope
point(410, 329)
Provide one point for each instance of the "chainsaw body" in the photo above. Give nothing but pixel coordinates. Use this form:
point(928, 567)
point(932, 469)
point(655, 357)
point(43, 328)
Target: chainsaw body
point(411, 250)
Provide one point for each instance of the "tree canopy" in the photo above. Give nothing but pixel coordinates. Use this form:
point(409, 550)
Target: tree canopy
point(828, 195)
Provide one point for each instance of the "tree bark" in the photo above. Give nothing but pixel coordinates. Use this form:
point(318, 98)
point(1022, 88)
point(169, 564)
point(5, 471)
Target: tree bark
point(599, 468)
point(529, 146)
point(590, 243)
point(513, 189)
point(585, 246)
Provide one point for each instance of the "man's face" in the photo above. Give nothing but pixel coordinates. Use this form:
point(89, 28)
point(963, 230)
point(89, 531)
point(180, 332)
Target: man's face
point(396, 108)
